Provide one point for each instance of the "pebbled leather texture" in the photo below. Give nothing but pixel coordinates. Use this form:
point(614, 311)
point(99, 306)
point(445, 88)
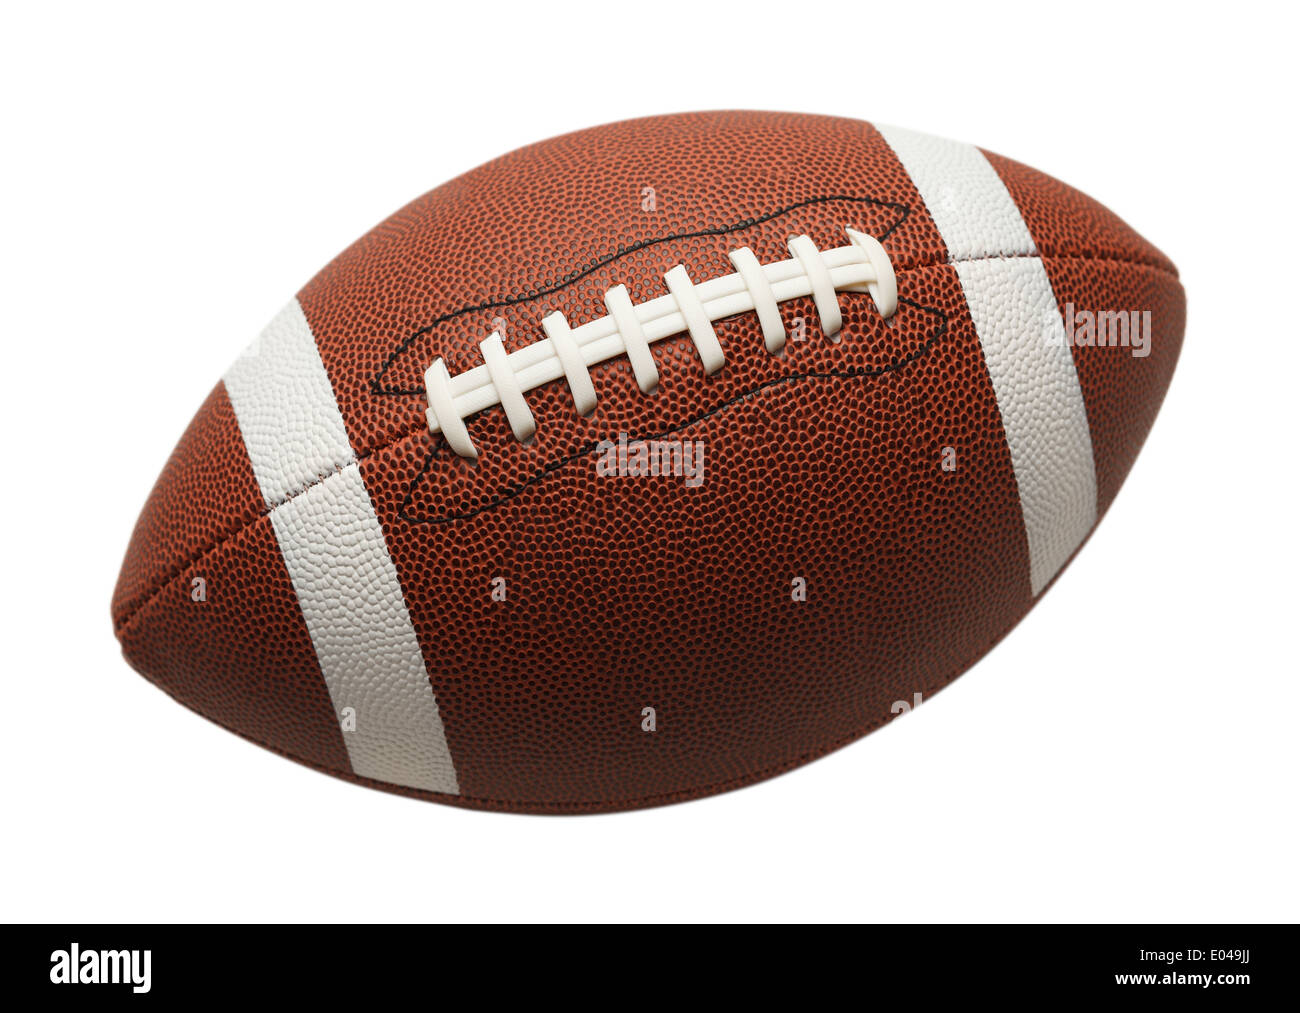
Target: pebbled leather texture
point(292, 430)
point(1043, 418)
point(622, 594)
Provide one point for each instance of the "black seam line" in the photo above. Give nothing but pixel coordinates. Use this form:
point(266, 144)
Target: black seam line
point(553, 466)
point(242, 526)
point(376, 383)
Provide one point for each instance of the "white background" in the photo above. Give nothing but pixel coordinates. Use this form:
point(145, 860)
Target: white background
point(172, 175)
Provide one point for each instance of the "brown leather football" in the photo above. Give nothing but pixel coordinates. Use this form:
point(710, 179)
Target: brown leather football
point(650, 461)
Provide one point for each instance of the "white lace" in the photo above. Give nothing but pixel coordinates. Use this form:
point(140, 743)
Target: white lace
point(630, 329)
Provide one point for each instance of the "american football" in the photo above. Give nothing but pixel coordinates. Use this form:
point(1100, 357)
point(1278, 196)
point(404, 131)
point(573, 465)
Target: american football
point(651, 461)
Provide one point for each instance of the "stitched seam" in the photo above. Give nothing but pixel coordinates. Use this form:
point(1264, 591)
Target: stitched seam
point(863, 373)
point(579, 273)
point(379, 390)
point(243, 526)
point(1039, 255)
point(236, 532)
